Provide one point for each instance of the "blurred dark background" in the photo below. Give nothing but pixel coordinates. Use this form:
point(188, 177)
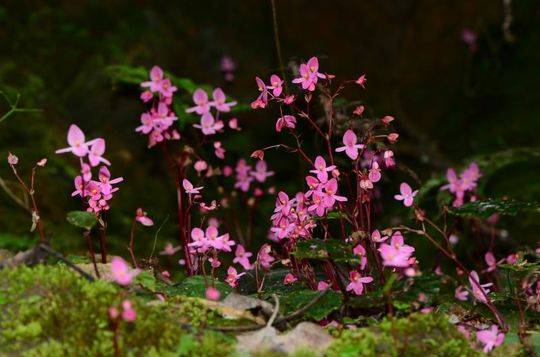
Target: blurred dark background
point(452, 100)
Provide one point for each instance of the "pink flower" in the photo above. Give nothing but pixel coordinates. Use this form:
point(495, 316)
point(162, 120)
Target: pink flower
point(200, 166)
point(214, 262)
point(232, 277)
point(219, 101)
point(479, 290)
point(357, 282)
point(361, 81)
point(233, 124)
point(113, 313)
point(490, 261)
point(242, 257)
point(350, 146)
point(387, 119)
point(12, 159)
point(468, 36)
point(374, 173)
point(275, 85)
point(188, 187)
point(146, 96)
point(42, 162)
point(76, 141)
point(286, 121)
point(360, 251)
point(202, 106)
point(470, 176)
point(212, 293)
point(121, 271)
point(389, 159)
point(289, 279)
point(490, 338)
point(95, 154)
point(377, 237)
point(288, 99)
point(261, 172)
point(142, 218)
point(396, 254)
point(309, 74)
point(128, 313)
point(219, 150)
point(264, 258)
point(156, 79)
point(208, 124)
point(322, 286)
point(359, 110)
point(393, 137)
point(105, 182)
point(406, 194)
point(321, 169)
point(262, 99)
point(218, 242)
point(330, 193)
point(461, 294)
point(170, 249)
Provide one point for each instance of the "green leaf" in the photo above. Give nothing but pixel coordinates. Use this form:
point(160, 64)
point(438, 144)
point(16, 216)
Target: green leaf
point(195, 286)
point(146, 279)
point(293, 300)
point(486, 208)
point(318, 249)
point(82, 219)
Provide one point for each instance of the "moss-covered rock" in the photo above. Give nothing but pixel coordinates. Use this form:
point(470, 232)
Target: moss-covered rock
point(415, 335)
point(51, 311)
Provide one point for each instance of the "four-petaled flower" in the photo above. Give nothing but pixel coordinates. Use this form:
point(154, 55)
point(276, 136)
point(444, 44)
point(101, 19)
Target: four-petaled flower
point(357, 282)
point(350, 146)
point(406, 194)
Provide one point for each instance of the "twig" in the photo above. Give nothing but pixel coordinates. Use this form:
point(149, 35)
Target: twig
point(277, 321)
point(68, 262)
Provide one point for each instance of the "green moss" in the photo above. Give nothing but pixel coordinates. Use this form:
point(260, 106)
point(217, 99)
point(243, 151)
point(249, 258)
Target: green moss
point(416, 335)
point(49, 310)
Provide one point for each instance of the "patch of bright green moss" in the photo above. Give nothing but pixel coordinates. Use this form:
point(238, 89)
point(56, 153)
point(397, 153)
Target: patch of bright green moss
point(415, 335)
point(51, 311)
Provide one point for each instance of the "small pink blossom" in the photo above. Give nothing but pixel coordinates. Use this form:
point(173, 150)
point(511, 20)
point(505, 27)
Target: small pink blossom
point(188, 187)
point(95, 154)
point(233, 124)
point(359, 110)
point(170, 249)
point(286, 121)
point(146, 96)
point(289, 279)
point(357, 282)
point(156, 80)
point(393, 137)
point(143, 218)
point(202, 105)
point(321, 169)
point(275, 85)
point(461, 293)
point(212, 293)
point(377, 237)
point(361, 81)
point(219, 150)
point(360, 251)
point(350, 146)
point(262, 99)
point(397, 253)
point(242, 257)
point(76, 140)
point(406, 194)
point(490, 261)
point(288, 99)
point(490, 338)
point(121, 271)
point(264, 258)
point(200, 166)
point(323, 285)
point(389, 159)
point(479, 290)
point(42, 162)
point(387, 119)
point(309, 74)
point(128, 313)
point(12, 159)
point(219, 101)
point(232, 277)
point(261, 173)
point(375, 172)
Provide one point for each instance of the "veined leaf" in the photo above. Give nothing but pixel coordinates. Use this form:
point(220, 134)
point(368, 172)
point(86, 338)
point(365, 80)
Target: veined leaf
point(486, 208)
point(82, 219)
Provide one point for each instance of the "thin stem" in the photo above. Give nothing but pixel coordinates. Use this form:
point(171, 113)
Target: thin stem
point(91, 251)
point(131, 246)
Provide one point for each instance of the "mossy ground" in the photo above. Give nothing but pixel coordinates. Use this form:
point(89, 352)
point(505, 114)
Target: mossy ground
point(51, 311)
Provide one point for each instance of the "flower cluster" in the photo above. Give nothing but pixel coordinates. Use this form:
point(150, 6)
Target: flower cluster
point(209, 123)
point(157, 123)
point(465, 183)
point(96, 193)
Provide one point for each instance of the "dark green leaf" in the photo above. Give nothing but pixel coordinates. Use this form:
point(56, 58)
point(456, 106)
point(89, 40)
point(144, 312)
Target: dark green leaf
point(296, 299)
point(195, 286)
point(82, 219)
point(318, 249)
point(486, 208)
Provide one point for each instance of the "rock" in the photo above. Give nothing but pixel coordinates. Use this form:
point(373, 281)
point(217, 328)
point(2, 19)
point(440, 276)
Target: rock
point(257, 307)
point(304, 335)
point(104, 270)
